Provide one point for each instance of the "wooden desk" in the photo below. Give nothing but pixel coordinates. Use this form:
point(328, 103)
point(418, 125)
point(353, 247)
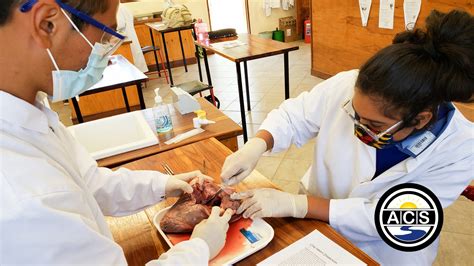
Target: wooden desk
point(141, 242)
point(109, 102)
point(172, 44)
point(119, 74)
point(255, 48)
point(225, 130)
point(163, 31)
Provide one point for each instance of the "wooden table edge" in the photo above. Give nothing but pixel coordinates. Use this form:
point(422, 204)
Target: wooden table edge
point(120, 159)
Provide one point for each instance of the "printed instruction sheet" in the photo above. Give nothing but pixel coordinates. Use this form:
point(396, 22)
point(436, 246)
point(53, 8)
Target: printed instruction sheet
point(364, 6)
point(386, 12)
point(313, 249)
point(411, 10)
point(227, 44)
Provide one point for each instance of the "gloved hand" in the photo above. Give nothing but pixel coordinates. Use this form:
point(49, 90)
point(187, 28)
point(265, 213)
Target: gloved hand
point(240, 164)
point(176, 184)
point(268, 202)
point(213, 230)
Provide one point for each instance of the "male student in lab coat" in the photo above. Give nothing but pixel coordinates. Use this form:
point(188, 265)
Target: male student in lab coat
point(125, 23)
point(391, 122)
point(54, 196)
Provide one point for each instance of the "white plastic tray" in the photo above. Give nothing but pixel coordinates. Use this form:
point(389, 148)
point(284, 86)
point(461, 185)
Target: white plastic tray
point(237, 246)
point(114, 135)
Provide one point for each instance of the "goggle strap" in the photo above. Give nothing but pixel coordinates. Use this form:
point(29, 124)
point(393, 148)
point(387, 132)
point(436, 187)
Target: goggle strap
point(392, 127)
point(76, 28)
point(52, 59)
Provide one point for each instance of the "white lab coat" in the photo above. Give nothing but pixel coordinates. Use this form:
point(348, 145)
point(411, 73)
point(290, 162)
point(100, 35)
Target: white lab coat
point(125, 21)
point(54, 196)
point(343, 166)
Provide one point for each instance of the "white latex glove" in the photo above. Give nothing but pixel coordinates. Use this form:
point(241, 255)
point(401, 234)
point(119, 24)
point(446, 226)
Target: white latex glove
point(176, 184)
point(267, 202)
point(240, 164)
point(213, 230)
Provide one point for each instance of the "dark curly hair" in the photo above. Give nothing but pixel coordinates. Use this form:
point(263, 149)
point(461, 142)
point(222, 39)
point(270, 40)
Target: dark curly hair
point(423, 68)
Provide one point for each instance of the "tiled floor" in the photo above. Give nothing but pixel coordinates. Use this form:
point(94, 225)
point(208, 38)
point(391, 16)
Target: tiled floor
point(285, 169)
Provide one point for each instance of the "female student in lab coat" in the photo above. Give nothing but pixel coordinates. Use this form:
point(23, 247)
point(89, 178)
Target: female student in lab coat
point(54, 196)
point(402, 95)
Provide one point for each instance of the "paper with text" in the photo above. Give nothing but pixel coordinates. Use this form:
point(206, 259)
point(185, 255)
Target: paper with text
point(313, 249)
point(227, 44)
point(387, 9)
point(411, 10)
point(364, 6)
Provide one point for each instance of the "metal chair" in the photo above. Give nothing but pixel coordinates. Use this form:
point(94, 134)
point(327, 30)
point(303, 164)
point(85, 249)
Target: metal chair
point(154, 49)
point(194, 87)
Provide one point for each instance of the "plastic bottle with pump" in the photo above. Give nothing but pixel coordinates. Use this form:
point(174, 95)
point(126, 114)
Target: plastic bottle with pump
point(161, 115)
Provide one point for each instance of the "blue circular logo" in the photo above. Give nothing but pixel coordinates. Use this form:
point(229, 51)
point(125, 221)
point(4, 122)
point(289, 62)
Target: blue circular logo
point(408, 217)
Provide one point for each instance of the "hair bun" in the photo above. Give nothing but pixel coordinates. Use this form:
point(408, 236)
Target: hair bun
point(416, 36)
point(450, 42)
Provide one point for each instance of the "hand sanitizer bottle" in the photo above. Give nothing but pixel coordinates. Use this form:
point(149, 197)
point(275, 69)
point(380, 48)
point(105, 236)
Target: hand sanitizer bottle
point(161, 115)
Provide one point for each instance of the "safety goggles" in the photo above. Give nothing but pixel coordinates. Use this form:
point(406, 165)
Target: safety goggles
point(110, 40)
point(349, 109)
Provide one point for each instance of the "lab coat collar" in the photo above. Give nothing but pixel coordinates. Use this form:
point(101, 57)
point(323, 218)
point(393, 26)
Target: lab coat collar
point(416, 144)
point(411, 163)
point(16, 111)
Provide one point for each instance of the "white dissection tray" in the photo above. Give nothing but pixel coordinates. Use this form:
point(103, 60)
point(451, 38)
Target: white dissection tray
point(114, 135)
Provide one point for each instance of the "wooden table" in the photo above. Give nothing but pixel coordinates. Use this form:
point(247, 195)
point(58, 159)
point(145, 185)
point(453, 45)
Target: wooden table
point(255, 48)
point(119, 74)
point(225, 130)
point(158, 26)
point(141, 242)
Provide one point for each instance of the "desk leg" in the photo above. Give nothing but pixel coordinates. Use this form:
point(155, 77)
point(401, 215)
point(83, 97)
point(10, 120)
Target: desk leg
point(182, 51)
point(77, 110)
point(287, 76)
point(198, 59)
point(167, 58)
point(154, 52)
point(246, 74)
point(241, 101)
point(206, 64)
point(125, 99)
point(140, 95)
point(196, 53)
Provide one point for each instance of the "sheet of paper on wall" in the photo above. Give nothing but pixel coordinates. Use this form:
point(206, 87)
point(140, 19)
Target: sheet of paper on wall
point(313, 249)
point(387, 8)
point(411, 10)
point(364, 6)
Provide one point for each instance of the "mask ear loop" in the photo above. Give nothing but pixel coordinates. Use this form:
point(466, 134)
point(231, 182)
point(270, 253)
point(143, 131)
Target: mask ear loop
point(57, 69)
point(76, 28)
point(52, 59)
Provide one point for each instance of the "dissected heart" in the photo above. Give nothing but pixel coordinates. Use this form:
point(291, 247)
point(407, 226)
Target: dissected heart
point(190, 209)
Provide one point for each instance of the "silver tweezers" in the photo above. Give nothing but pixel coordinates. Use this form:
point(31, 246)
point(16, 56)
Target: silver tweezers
point(167, 168)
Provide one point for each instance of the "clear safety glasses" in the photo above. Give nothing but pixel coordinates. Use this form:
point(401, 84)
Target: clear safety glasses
point(348, 108)
point(111, 39)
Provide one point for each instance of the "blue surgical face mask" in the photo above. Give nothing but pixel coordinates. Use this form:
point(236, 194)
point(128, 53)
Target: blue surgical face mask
point(68, 84)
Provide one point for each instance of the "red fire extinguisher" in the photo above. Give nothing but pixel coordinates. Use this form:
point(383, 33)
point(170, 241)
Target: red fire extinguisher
point(307, 31)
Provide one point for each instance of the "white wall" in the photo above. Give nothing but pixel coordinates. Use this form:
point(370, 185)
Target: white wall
point(197, 7)
point(258, 21)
